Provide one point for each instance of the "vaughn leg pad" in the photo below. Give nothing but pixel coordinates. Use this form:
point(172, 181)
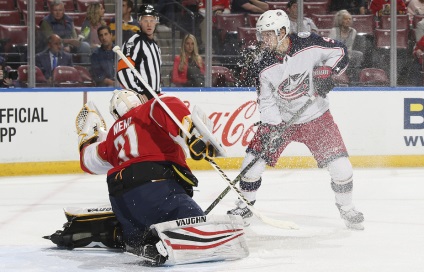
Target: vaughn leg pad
point(203, 239)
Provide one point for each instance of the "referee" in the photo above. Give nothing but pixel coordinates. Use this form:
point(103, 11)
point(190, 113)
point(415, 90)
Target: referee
point(143, 51)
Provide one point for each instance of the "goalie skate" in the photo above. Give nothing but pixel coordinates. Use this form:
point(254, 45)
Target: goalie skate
point(151, 256)
point(243, 211)
point(353, 219)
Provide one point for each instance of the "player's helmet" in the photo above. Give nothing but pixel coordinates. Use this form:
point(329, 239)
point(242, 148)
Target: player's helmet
point(147, 10)
point(272, 20)
point(122, 102)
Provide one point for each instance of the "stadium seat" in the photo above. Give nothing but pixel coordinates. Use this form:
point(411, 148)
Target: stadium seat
point(278, 5)
point(323, 21)
point(82, 5)
point(78, 17)
point(341, 80)
point(68, 4)
point(7, 5)
point(227, 27)
point(86, 78)
point(364, 24)
point(252, 18)
point(373, 76)
point(40, 80)
point(246, 36)
point(13, 36)
point(10, 17)
point(402, 22)
point(228, 23)
point(222, 77)
point(39, 15)
point(310, 8)
point(66, 76)
point(23, 5)
point(382, 38)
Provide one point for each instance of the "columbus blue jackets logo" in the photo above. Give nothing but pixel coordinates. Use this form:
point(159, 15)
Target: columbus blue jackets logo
point(294, 86)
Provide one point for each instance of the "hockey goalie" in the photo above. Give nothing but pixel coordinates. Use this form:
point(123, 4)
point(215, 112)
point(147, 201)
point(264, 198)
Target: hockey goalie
point(152, 213)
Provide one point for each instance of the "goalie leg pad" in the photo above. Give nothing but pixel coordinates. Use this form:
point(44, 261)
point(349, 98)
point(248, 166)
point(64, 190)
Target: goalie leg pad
point(203, 239)
point(85, 226)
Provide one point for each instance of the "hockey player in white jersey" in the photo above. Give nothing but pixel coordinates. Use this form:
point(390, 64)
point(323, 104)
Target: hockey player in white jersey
point(289, 70)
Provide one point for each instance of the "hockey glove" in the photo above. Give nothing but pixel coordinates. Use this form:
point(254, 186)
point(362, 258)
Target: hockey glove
point(199, 149)
point(323, 81)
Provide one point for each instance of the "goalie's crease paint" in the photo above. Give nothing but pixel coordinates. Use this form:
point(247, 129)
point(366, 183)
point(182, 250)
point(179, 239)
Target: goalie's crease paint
point(73, 167)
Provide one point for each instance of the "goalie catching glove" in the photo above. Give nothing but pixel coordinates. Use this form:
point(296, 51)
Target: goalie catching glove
point(323, 81)
point(197, 146)
point(90, 125)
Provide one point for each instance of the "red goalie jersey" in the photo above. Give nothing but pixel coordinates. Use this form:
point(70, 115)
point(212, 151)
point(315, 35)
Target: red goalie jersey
point(145, 133)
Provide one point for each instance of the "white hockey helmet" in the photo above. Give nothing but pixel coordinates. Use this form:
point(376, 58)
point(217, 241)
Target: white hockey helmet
point(122, 102)
point(272, 20)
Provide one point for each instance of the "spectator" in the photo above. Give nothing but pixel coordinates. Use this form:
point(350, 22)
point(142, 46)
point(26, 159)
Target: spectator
point(419, 30)
point(130, 25)
point(5, 81)
point(343, 31)
point(103, 59)
point(57, 22)
point(92, 22)
point(191, 20)
point(52, 57)
point(166, 9)
point(249, 6)
point(353, 6)
point(218, 7)
point(189, 68)
point(415, 7)
point(415, 73)
point(308, 24)
point(382, 7)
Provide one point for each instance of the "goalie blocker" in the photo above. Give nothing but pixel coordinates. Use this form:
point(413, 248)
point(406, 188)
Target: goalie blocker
point(187, 240)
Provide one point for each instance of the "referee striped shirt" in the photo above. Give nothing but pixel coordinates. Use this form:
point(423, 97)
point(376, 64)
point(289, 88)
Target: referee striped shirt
point(145, 55)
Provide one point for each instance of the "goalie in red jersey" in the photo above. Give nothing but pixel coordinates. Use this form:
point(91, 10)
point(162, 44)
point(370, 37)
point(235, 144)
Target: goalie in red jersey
point(150, 185)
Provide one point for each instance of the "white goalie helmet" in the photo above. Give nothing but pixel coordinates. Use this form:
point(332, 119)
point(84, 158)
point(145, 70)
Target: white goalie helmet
point(272, 20)
point(123, 101)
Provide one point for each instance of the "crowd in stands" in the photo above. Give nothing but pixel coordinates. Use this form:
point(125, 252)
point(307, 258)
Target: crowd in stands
point(80, 33)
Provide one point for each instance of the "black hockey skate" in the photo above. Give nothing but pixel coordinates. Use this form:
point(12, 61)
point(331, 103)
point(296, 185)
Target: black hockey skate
point(151, 256)
point(243, 211)
point(353, 219)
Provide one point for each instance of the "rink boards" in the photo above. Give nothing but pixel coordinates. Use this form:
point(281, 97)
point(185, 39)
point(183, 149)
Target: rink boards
point(381, 127)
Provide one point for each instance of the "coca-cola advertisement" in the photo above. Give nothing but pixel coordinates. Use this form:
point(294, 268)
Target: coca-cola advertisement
point(233, 114)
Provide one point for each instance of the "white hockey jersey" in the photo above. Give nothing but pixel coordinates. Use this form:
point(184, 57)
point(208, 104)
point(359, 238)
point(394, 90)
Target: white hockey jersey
point(286, 85)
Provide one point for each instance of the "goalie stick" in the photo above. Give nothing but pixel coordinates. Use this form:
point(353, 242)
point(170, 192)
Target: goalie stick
point(250, 165)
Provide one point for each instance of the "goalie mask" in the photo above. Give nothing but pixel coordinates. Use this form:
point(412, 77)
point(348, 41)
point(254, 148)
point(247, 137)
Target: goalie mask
point(273, 20)
point(123, 101)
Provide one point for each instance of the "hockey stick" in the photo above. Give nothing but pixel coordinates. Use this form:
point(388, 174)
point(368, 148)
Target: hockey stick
point(267, 220)
point(250, 165)
point(118, 51)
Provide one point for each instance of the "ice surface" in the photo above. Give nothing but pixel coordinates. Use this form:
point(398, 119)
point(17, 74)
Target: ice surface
point(392, 201)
